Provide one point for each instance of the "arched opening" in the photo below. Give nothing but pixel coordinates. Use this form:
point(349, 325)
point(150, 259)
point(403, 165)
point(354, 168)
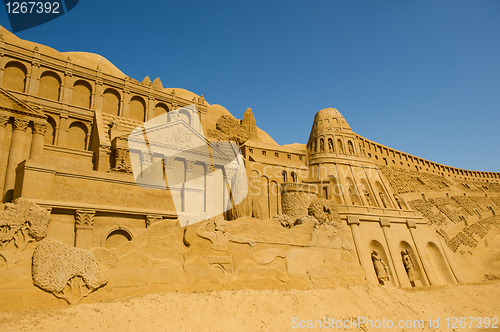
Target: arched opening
point(340, 146)
point(81, 94)
point(137, 109)
point(420, 279)
point(160, 109)
point(321, 145)
point(265, 188)
point(294, 176)
point(330, 145)
point(384, 197)
point(439, 264)
point(111, 102)
point(77, 136)
point(117, 237)
point(284, 176)
point(184, 115)
point(50, 133)
point(50, 86)
point(336, 190)
point(375, 245)
point(14, 76)
point(352, 192)
point(364, 188)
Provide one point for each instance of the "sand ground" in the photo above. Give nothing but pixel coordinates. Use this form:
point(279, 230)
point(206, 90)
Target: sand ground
point(267, 310)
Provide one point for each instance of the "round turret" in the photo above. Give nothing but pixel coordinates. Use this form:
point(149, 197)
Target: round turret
point(331, 135)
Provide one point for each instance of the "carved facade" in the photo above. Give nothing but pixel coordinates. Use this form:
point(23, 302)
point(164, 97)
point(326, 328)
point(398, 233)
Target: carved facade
point(68, 123)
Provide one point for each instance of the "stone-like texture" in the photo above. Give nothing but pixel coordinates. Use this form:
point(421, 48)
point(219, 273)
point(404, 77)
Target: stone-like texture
point(67, 272)
point(229, 129)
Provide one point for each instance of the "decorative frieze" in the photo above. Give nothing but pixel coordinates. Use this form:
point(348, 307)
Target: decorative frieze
point(146, 157)
point(3, 120)
point(168, 162)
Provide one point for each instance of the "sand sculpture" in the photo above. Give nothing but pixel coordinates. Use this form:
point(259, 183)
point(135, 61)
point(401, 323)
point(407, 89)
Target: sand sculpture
point(123, 203)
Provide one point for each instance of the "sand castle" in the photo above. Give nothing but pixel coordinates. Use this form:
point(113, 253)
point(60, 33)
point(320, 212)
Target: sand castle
point(114, 187)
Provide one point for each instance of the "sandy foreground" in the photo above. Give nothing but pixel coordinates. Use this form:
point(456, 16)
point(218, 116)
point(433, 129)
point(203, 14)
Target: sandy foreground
point(267, 310)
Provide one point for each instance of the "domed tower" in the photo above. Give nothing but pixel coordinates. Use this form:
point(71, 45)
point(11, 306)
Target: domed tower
point(331, 139)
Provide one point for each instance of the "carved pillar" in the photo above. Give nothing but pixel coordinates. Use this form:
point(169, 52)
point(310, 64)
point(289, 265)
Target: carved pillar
point(146, 161)
point(15, 156)
point(363, 254)
point(396, 262)
point(209, 186)
point(84, 222)
point(37, 140)
point(4, 148)
point(429, 270)
point(168, 168)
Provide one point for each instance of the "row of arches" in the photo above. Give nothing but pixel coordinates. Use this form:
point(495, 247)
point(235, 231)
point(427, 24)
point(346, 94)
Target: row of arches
point(15, 78)
point(361, 193)
point(331, 145)
point(436, 259)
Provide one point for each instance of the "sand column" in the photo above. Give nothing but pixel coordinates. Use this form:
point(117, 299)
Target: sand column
point(39, 130)
point(84, 222)
point(15, 156)
point(429, 270)
point(363, 255)
point(395, 256)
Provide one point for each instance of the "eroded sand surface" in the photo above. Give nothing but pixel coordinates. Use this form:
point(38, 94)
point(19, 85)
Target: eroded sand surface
point(252, 310)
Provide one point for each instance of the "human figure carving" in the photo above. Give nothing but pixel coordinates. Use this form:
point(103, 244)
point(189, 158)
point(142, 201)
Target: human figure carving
point(410, 269)
point(220, 239)
point(350, 147)
point(380, 268)
point(400, 202)
point(367, 195)
point(384, 199)
point(330, 145)
point(321, 145)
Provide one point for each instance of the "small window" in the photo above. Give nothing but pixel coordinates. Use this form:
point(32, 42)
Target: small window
point(276, 154)
point(289, 156)
point(300, 157)
point(263, 152)
point(250, 150)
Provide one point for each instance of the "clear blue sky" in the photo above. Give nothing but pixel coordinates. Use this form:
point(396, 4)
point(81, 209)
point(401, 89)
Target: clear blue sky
point(418, 76)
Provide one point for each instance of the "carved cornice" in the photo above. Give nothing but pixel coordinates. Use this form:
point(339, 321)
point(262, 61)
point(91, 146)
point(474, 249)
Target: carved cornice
point(84, 218)
point(20, 124)
point(39, 128)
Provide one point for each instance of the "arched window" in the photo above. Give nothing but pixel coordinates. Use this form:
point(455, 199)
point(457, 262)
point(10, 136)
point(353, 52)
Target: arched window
point(117, 237)
point(50, 86)
point(81, 95)
point(330, 145)
point(284, 176)
point(294, 177)
point(340, 147)
point(184, 115)
point(50, 133)
point(14, 76)
point(137, 109)
point(321, 145)
point(350, 147)
point(160, 109)
point(77, 136)
point(111, 102)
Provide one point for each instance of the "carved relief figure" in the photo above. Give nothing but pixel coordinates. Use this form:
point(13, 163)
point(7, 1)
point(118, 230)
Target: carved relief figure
point(401, 203)
point(350, 147)
point(410, 269)
point(330, 145)
point(314, 147)
point(384, 199)
point(218, 256)
point(380, 268)
point(321, 145)
point(368, 198)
